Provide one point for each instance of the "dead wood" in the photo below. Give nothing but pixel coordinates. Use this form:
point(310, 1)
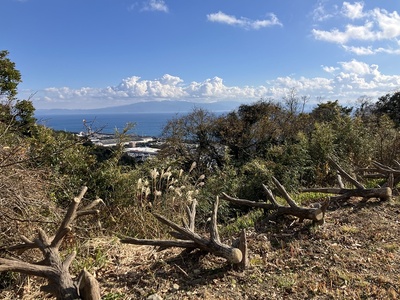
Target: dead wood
point(52, 267)
point(241, 244)
point(344, 174)
point(392, 175)
point(187, 238)
point(88, 286)
point(316, 213)
point(383, 193)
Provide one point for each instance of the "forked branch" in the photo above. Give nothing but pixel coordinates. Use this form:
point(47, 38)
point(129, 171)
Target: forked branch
point(383, 193)
point(381, 171)
point(52, 267)
point(188, 239)
point(315, 213)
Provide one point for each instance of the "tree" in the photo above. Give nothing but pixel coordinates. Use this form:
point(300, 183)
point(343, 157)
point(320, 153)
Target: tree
point(191, 138)
point(390, 106)
point(249, 131)
point(330, 111)
point(16, 113)
point(9, 80)
point(9, 77)
point(386, 139)
point(229, 130)
point(365, 109)
point(23, 115)
point(293, 103)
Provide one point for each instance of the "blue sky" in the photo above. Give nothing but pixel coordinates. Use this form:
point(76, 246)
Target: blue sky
point(99, 53)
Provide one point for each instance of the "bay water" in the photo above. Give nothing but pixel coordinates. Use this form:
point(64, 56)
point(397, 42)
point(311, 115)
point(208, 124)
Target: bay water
point(146, 124)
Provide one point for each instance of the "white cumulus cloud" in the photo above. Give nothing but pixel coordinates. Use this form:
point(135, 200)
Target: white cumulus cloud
point(353, 11)
point(377, 29)
point(357, 67)
point(346, 81)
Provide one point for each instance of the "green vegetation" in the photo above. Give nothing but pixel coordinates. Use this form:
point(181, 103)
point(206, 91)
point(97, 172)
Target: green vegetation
point(203, 156)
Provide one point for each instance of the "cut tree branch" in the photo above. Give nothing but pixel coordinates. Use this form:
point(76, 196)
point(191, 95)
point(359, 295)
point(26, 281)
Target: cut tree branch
point(52, 267)
point(190, 240)
point(383, 193)
point(316, 213)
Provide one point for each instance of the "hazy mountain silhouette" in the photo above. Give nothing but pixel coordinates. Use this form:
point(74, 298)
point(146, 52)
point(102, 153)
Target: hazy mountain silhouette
point(150, 107)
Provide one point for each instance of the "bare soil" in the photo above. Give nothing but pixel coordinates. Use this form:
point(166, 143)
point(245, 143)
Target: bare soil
point(355, 254)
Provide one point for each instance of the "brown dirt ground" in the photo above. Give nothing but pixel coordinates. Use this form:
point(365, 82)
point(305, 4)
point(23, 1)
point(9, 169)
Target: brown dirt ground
point(354, 255)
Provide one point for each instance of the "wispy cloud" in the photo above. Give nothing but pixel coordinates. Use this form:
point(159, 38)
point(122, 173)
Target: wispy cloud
point(364, 26)
point(370, 50)
point(329, 69)
point(243, 22)
point(320, 13)
point(155, 5)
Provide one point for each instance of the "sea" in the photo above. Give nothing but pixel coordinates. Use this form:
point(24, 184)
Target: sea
point(145, 124)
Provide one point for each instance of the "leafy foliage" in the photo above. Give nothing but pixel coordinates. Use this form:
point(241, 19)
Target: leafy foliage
point(10, 77)
point(203, 156)
point(390, 106)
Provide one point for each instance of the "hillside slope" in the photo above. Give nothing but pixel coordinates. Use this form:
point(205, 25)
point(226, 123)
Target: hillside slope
point(354, 255)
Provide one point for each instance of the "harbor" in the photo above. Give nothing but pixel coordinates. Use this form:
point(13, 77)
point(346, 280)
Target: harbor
point(138, 147)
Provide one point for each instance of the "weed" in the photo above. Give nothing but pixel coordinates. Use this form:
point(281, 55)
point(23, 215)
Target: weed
point(113, 296)
point(391, 247)
point(93, 255)
point(309, 197)
point(285, 281)
point(256, 261)
point(164, 190)
point(349, 229)
point(94, 259)
point(242, 222)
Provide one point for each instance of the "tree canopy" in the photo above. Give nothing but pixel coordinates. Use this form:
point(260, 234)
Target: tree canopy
point(389, 104)
point(10, 77)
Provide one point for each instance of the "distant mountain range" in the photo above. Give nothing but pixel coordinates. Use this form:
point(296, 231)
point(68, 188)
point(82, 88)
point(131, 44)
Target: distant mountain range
point(149, 107)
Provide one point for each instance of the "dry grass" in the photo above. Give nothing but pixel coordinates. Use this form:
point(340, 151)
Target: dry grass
point(25, 203)
point(354, 255)
point(288, 261)
point(25, 206)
